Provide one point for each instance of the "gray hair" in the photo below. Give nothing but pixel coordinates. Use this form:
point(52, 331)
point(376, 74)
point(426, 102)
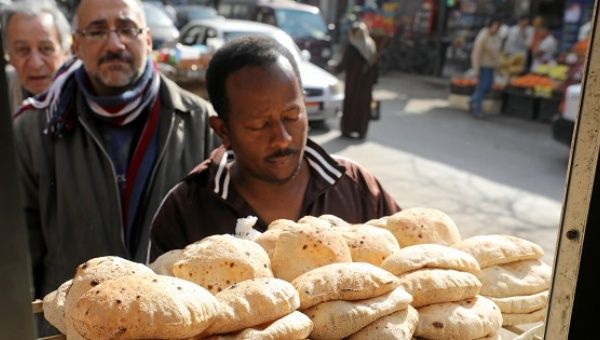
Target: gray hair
point(35, 8)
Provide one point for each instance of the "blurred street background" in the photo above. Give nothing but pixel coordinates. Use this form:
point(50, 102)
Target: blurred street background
point(500, 174)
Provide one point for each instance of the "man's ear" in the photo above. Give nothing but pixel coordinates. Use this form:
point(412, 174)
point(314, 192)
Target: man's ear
point(149, 40)
point(75, 45)
point(220, 128)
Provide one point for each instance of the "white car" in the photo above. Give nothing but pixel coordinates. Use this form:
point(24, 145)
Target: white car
point(564, 122)
point(324, 92)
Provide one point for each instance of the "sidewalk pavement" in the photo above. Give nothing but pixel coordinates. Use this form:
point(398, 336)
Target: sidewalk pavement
point(479, 201)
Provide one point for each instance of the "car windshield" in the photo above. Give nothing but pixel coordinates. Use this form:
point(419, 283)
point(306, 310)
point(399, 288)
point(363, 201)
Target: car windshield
point(301, 24)
point(282, 38)
point(156, 16)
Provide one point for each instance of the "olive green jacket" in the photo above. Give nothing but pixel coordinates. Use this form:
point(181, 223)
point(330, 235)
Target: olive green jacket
point(70, 191)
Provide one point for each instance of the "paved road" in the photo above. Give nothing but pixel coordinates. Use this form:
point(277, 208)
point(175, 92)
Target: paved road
point(496, 175)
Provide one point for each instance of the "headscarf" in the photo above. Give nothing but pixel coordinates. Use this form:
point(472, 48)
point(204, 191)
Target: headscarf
point(359, 38)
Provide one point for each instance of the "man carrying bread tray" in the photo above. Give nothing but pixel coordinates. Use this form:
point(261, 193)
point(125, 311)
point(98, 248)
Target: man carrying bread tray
point(266, 167)
point(101, 148)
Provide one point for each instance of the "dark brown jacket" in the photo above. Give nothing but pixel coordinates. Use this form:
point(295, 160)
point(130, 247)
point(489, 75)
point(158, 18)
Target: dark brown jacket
point(205, 203)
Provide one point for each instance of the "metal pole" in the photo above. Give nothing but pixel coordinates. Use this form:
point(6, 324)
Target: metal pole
point(439, 39)
point(16, 318)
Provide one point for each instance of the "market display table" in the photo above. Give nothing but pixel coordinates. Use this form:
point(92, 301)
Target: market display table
point(525, 103)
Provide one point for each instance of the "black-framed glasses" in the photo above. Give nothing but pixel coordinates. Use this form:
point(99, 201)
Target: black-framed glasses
point(102, 34)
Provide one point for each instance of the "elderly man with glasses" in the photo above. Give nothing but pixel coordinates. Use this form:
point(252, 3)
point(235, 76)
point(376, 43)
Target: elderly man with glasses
point(100, 150)
point(36, 38)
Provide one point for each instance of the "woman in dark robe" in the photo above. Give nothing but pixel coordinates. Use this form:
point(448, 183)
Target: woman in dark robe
point(360, 64)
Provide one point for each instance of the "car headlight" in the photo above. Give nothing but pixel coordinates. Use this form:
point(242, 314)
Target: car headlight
point(326, 53)
point(335, 88)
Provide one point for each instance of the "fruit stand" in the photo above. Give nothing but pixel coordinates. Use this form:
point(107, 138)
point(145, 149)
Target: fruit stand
point(531, 96)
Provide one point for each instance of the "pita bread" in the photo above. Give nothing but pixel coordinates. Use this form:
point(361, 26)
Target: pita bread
point(429, 256)
point(219, 261)
point(254, 302)
point(368, 243)
point(513, 319)
point(163, 265)
point(144, 307)
point(54, 307)
point(294, 326)
point(429, 286)
point(522, 304)
point(281, 224)
point(343, 281)
point(422, 225)
point(315, 222)
point(338, 318)
point(335, 221)
point(399, 325)
point(92, 273)
point(467, 319)
point(310, 247)
point(379, 222)
point(490, 250)
point(515, 279)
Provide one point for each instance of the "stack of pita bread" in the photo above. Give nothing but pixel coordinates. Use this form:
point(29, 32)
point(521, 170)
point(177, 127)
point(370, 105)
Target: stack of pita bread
point(513, 275)
point(420, 225)
point(355, 300)
point(311, 244)
point(444, 285)
point(262, 308)
point(216, 262)
point(396, 277)
point(112, 298)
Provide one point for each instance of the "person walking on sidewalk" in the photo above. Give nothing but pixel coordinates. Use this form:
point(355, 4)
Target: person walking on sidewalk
point(485, 58)
point(360, 64)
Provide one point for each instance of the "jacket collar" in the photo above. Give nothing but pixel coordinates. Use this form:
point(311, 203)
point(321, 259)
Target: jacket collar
point(171, 96)
point(324, 168)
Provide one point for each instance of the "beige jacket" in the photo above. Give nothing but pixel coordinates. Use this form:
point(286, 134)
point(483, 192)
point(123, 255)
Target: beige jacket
point(486, 50)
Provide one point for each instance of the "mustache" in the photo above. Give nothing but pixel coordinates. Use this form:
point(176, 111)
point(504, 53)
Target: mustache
point(115, 56)
point(282, 153)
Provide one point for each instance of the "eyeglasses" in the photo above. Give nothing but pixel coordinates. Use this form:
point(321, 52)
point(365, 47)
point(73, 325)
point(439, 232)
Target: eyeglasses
point(125, 34)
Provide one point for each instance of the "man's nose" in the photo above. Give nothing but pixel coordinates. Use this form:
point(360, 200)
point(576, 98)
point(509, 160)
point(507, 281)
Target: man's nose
point(114, 41)
point(36, 59)
point(280, 135)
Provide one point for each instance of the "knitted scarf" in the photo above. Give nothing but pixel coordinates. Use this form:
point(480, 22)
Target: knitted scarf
point(58, 100)
point(59, 106)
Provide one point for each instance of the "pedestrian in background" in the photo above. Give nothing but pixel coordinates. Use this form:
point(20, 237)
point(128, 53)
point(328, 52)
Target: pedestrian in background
point(37, 40)
point(545, 48)
point(360, 64)
point(485, 58)
point(518, 41)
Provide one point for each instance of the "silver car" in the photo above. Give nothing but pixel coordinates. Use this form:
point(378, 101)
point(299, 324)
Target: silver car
point(324, 92)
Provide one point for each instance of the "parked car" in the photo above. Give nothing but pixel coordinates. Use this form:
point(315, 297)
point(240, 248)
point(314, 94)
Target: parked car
point(564, 122)
point(323, 91)
point(304, 23)
point(187, 13)
point(161, 26)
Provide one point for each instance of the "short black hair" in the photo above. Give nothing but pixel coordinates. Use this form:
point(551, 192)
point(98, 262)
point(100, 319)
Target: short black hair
point(235, 55)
